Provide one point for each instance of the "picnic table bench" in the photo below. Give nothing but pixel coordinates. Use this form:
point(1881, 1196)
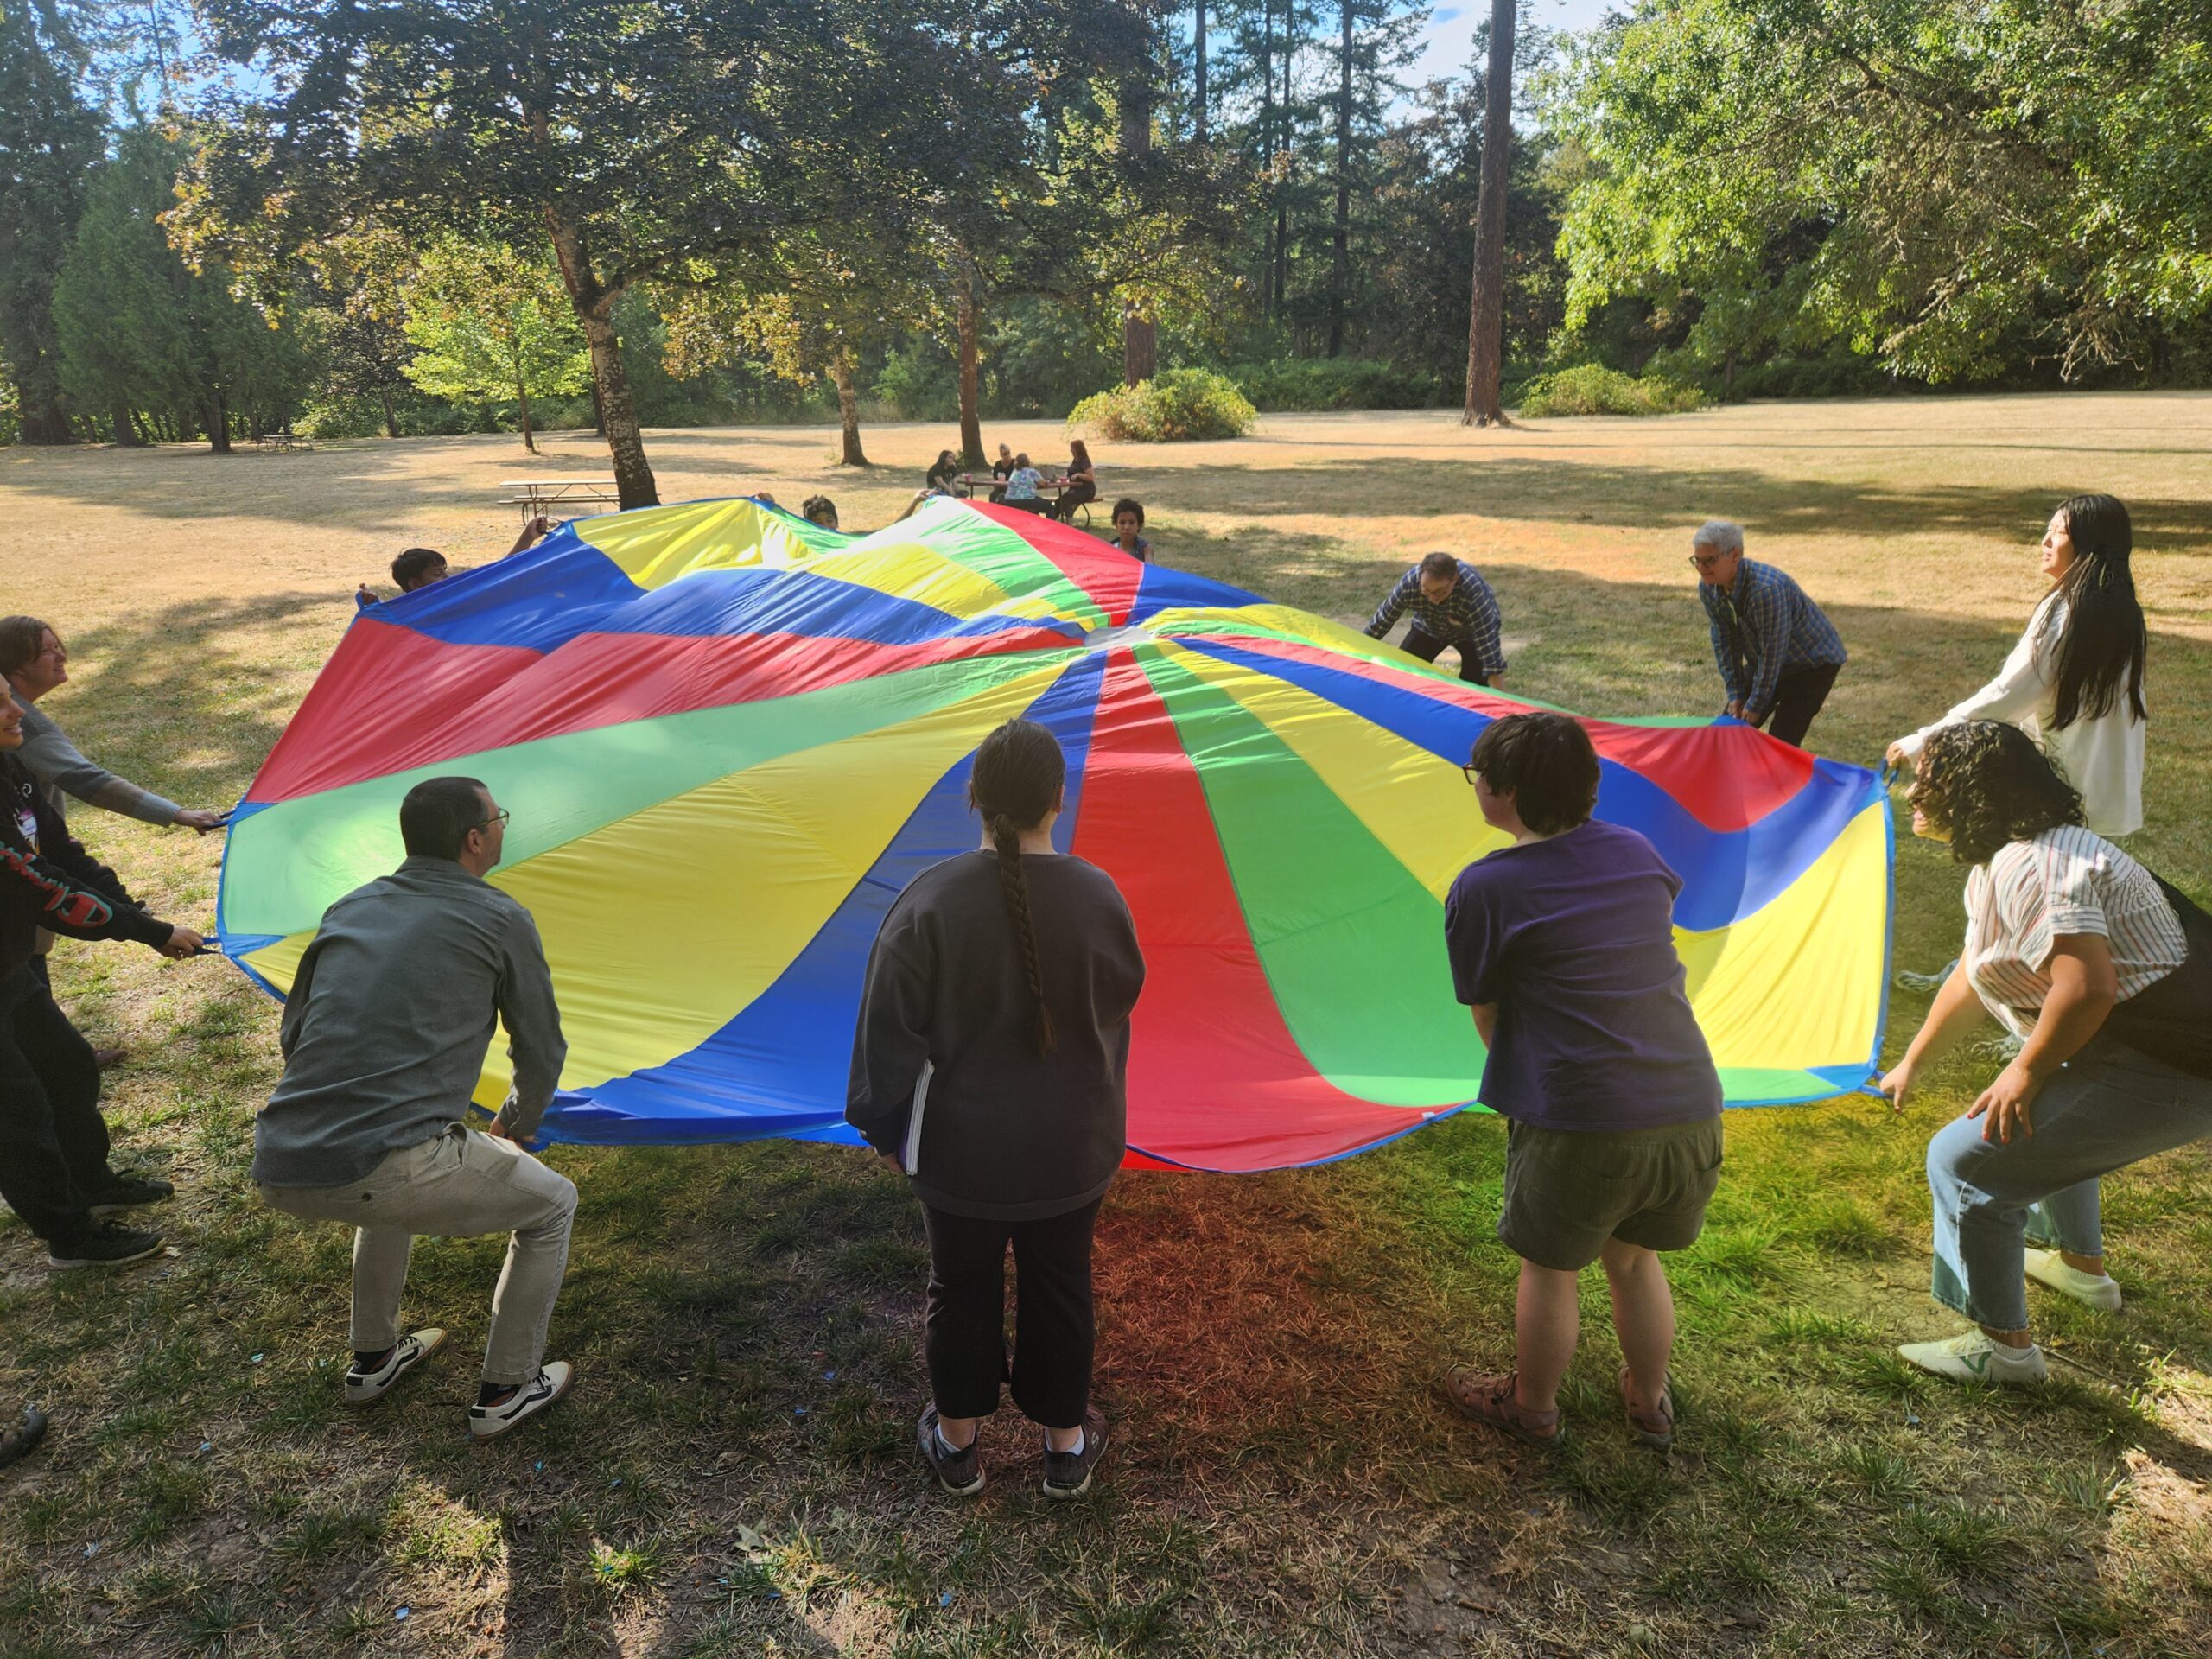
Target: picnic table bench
point(550, 495)
point(283, 442)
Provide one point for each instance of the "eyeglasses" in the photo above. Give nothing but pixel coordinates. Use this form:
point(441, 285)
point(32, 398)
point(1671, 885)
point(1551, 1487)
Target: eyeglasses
point(501, 816)
point(1707, 561)
point(1472, 775)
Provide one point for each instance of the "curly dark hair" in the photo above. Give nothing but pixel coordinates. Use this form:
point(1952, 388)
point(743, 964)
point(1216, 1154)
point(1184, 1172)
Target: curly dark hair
point(1985, 784)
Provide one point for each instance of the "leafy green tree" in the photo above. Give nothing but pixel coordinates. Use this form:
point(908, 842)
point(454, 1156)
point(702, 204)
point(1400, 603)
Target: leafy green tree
point(141, 331)
point(636, 135)
point(50, 141)
point(485, 323)
point(1954, 185)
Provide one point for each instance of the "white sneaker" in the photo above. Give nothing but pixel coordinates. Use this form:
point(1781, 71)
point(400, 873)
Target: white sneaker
point(487, 1423)
point(1973, 1358)
point(2098, 1290)
point(366, 1388)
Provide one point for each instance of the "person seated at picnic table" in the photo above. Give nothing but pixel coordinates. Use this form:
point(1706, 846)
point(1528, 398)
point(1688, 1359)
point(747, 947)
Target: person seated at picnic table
point(943, 471)
point(1022, 487)
point(418, 567)
point(1562, 944)
point(819, 510)
point(1778, 653)
point(1451, 605)
point(34, 662)
point(2105, 973)
point(1003, 467)
point(1082, 482)
point(1128, 521)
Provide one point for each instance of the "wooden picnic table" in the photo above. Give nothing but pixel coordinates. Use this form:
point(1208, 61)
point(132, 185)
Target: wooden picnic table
point(281, 443)
point(970, 483)
point(547, 495)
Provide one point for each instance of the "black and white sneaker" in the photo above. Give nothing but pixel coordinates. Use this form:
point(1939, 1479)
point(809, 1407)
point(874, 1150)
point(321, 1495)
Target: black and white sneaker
point(959, 1469)
point(109, 1244)
point(127, 1190)
point(1067, 1474)
point(488, 1423)
point(366, 1388)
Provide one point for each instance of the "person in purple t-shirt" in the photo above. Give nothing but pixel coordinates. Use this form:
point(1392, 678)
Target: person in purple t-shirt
point(1563, 946)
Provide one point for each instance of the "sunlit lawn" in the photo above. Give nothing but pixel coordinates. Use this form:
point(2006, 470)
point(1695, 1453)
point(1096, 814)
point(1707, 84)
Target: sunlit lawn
point(734, 1473)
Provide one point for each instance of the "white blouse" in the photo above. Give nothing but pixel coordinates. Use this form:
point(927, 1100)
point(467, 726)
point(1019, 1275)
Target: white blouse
point(2103, 755)
point(2064, 880)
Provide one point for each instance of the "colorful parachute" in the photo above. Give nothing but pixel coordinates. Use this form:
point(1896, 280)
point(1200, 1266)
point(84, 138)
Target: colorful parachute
point(729, 739)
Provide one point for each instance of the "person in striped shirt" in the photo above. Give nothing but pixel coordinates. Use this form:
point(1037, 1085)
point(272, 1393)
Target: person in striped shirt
point(1451, 605)
point(2085, 955)
point(1778, 653)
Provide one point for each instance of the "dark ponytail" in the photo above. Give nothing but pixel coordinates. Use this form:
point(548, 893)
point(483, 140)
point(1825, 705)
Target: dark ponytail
point(1015, 781)
point(2103, 642)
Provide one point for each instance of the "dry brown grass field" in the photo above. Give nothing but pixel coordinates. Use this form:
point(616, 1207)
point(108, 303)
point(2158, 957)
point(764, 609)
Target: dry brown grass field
point(734, 1474)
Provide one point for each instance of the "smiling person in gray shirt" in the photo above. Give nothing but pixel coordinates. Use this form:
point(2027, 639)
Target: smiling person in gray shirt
point(384, 1037)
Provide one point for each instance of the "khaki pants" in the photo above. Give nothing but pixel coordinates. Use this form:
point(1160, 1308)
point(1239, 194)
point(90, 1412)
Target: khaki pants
point(458, 1184)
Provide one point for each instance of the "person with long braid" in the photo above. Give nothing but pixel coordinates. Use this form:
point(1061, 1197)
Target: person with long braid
point(2075, 682)
point(990, 1066)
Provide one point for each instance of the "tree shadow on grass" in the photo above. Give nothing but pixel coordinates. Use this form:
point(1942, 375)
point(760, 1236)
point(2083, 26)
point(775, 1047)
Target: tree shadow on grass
point(1567, 491)
point(183, 700)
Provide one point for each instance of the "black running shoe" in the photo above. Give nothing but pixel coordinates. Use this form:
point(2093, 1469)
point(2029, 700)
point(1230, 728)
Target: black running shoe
point(1067, 1474)
point(20, 1438)
point(109, 1244)
point(959, 1470)
point(127, 1190)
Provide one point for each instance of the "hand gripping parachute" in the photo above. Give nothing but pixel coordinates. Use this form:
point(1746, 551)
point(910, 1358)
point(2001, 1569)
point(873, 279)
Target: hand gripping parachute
point(729, 739)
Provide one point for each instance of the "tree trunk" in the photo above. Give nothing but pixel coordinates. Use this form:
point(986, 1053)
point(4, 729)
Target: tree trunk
point(1486, 319)
point(849, 407)
point(1199, 89)
point(1340, 270)
point(1286, 149)
point(1140, 335)
point(1267, 152)
point(598, 412)
point(594, 307)
point(971, 419)
point(43, 420)
point(391, 414)
point(219, 424)
point(126, 436)
point(522, 402)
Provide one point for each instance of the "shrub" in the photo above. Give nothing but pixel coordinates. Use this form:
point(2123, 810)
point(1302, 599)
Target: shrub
point(1592, 389)
point(1170, 408)
point(1326, 383)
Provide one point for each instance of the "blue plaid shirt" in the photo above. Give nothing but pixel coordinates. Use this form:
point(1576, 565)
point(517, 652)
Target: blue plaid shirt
point(1763, 629)
point(1467, 618)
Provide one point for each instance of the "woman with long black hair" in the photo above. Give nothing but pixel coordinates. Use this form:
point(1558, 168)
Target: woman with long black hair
point(2075, 682)
point(990, 1066)
point(2104, 973)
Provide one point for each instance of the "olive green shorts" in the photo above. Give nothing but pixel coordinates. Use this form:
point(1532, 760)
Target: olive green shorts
point(1569, 1190)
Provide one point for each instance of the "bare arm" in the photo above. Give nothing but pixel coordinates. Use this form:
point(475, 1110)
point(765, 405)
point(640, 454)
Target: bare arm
point(1485, 1020)
point(2084, 990)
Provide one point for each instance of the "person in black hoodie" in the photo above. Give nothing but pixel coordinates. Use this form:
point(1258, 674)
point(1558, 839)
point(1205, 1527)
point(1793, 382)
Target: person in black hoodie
point(991, 1066)
point(53, 1146)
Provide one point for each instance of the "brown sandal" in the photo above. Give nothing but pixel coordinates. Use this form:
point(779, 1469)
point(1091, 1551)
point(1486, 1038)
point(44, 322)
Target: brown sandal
point(1488, 1399)
point(1656, 1429)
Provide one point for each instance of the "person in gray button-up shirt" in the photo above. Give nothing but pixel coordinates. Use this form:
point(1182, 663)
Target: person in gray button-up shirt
point(384, 1033)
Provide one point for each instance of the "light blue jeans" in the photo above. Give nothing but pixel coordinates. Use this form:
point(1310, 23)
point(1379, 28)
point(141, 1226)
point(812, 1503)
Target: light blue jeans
point(2108, 1107)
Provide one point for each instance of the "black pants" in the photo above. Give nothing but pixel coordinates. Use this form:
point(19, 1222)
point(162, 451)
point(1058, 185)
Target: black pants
point(1425, 645)
point(1797, 698)
point(1074, 496)
point(1054, 1333)
point(52, 1141)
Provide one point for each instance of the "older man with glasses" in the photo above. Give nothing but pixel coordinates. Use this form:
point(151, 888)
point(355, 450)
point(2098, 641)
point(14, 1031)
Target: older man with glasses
point(383, 1036)
point(1777, 653)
